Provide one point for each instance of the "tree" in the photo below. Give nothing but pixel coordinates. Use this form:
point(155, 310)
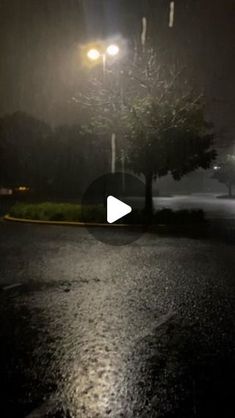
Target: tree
point(167, 131)
point(62, 161)
point(159, 118)
point(76, 160)
point(22, 139)
point(225, 173)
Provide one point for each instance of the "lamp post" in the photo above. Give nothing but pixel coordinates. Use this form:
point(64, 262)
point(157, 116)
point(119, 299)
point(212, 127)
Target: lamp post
point(102, 54)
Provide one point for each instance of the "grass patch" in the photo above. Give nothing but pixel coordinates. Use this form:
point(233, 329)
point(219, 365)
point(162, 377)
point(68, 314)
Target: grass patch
point(49, 211)
point(70, 212)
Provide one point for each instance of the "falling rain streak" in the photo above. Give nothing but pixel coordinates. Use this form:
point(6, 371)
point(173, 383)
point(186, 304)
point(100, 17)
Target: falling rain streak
point(172, 14)
point(144, 31)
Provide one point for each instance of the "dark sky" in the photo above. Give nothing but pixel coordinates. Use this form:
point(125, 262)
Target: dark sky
point(40, 48)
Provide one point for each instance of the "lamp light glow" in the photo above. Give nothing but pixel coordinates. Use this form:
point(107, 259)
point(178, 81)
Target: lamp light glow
point(113, 50)
point(93, 54)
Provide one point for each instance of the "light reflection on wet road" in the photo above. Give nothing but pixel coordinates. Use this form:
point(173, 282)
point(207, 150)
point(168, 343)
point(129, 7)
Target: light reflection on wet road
point(144, 330)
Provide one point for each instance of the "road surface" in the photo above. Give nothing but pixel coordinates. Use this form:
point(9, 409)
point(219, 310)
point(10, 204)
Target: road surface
point(93, 331)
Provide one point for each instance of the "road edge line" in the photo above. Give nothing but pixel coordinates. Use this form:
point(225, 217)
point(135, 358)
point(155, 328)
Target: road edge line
point(9, 218)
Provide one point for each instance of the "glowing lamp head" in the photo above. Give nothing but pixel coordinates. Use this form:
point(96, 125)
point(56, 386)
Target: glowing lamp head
point(113, 50)
point(93, 54)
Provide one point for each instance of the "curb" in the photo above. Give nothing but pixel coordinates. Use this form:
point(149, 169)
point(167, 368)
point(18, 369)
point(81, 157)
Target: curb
point(158, 228)
point(9, 218)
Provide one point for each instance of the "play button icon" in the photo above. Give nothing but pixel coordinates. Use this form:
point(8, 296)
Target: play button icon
point(111, 208)
point(116, 209)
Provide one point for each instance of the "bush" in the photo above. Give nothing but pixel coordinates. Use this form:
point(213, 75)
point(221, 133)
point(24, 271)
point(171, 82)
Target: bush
point(57, 212)
point(71, 212)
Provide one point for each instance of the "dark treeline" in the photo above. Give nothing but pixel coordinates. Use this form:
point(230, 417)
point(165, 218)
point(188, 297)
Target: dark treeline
point(56, 162)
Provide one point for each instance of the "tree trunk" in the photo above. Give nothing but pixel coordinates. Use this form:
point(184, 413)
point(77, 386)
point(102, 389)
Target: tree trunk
point(149, 194)
point(230, 190)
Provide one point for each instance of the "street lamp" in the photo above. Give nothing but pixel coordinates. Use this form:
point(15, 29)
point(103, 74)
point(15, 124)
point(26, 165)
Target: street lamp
point(95, 54)
point(113, 50)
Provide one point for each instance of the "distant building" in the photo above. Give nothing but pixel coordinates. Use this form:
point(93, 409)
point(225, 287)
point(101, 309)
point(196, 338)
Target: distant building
point(5, 192)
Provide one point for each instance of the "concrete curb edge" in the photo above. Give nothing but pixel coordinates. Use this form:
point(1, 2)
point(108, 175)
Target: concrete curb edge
point(9, 218)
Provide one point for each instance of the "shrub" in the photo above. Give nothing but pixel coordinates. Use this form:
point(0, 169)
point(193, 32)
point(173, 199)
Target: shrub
point(71, 212)
point(49, 211)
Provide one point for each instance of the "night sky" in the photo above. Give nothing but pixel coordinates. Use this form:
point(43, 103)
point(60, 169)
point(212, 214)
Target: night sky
point(40, 60)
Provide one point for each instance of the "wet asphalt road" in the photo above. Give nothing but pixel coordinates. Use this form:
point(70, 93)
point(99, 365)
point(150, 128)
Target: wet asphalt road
point(144, 330)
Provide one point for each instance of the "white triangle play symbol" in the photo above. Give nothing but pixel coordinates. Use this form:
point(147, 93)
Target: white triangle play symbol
point(116, 209)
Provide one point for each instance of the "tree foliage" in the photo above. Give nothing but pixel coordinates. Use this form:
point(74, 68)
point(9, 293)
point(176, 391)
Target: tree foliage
point(167, 131)
point(22, 139)
point(60, 161)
